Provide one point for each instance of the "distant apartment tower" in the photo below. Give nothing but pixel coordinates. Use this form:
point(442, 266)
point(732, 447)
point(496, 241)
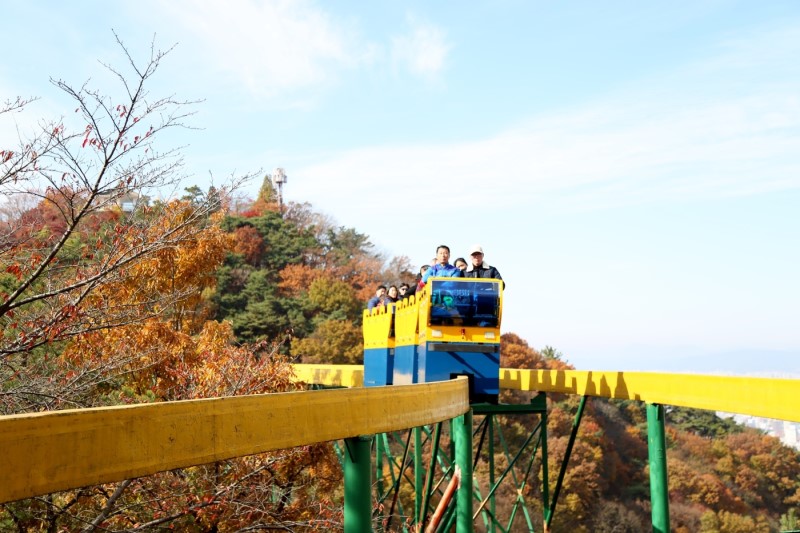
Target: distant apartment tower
point(790, 434)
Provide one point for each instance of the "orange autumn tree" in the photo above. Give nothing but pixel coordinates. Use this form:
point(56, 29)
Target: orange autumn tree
point(166, 307)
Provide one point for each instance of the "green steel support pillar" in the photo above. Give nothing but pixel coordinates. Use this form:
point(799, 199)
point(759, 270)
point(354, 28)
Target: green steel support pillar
point(462, 434)
point(657, 454)
point(545, 470)
point(419, 473)
point(357, 485)
point(492, 503)
point(564, 462)
point(379, 465)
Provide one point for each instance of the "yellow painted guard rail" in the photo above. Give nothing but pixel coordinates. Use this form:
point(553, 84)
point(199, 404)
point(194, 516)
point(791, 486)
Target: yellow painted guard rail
point(331, 375)
point(49, 452)
point(764, 397)
point(114, 443)
point(768, 398)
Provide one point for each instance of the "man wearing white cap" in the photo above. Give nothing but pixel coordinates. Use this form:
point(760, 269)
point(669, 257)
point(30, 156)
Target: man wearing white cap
point(479, 269)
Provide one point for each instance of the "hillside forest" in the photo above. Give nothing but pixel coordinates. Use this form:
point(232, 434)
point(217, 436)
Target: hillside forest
point(120, 283)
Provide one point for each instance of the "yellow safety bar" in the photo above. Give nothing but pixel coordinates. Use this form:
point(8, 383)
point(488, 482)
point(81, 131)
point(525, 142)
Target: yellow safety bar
point(763, 397)
point(412, 326)
point(378, 326)
point(60, 450)
point(768, 398)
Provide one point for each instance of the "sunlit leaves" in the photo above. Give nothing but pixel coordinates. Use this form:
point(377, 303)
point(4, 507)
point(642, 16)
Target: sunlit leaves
point(334, 341)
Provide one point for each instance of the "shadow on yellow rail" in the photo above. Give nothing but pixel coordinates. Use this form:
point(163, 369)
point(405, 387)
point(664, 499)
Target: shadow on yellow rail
point(768, 398)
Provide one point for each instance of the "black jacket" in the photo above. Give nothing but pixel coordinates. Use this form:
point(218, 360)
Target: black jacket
point(483, 271)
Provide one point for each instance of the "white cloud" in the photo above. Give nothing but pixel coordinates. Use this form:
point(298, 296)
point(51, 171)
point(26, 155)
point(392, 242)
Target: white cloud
point(695, 132)
point(272, 47)
point(422, 50)
point(284, 51)
point(606, 155)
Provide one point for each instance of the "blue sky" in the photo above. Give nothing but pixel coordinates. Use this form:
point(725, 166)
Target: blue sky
point(632, 168)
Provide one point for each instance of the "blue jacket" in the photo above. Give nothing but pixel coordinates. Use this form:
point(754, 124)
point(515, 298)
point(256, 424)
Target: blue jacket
point(441, 271)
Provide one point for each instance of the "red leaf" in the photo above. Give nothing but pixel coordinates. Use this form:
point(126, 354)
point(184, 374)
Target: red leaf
point(14, 269)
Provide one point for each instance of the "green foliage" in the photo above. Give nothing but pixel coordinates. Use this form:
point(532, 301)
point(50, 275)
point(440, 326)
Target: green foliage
point(334, 341)
point(548, 352)
point(267, 193)
point(342, 245)
point(701, 422)
point(335, 299)
point(284, 243)
point(789, 521)
point(263, 315)
point(248, 292)
point(194, 194)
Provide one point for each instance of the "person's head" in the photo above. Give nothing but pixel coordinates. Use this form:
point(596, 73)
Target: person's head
point(476, 254)
point(403, 289)
point(461, 264)
point(423, 269)
point(392, 291)
point(447, 299)
point(442, 254)
point(380, 290)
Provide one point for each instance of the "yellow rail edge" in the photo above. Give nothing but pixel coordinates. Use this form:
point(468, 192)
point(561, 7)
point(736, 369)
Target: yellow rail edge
point(763, 397)
point(60, 450)
point(330, 375)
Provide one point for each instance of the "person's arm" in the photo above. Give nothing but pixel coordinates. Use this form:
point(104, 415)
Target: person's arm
point(498, 276)
point(427, 274)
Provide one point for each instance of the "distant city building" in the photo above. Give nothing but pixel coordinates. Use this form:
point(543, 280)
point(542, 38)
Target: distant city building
point(787, 432)
point(127, 202)
point(790, 434)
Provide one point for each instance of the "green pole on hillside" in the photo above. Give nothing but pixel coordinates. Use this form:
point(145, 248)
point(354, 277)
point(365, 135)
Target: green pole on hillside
point(462, 433)
point(357, 484)
point(576, 424)
point(657, 453)
point(419, 473)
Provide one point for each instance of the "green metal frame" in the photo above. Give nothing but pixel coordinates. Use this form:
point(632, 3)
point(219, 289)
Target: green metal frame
point(436, 453)
point(491, 428)
point(551, 509)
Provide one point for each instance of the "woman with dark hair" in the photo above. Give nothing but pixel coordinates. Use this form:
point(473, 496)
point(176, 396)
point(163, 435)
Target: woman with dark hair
point(392, 295)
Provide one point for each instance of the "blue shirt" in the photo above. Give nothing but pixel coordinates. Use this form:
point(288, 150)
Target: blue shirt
point(441, 271)
point(373, 302)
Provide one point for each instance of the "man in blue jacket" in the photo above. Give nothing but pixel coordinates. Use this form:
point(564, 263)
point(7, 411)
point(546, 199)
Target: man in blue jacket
point(378, 299)
point(442, 268)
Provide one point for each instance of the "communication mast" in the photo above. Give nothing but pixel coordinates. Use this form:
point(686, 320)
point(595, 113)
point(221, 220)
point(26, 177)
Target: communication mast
point(278, 179)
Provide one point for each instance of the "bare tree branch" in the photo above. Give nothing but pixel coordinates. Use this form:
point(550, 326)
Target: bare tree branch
point(79, 174)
